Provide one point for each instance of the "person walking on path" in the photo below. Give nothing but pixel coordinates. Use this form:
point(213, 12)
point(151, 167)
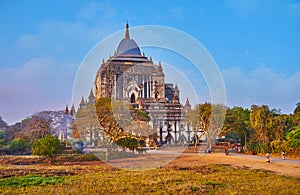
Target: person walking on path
point(268, 158)
point(226, 152)
point(283, 155)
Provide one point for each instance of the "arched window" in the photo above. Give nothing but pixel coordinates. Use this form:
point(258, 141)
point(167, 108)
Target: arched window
point(132, 98)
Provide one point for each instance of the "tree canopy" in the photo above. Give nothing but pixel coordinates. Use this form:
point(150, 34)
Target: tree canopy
point(47, 146)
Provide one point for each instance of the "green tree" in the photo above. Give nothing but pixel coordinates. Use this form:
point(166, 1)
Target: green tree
point(261, 119)
point(237, 122)
point(269, 128)
point(48, 146)
point(20, 146)
point(128, 142)
point(293, 137)
point(297, 113)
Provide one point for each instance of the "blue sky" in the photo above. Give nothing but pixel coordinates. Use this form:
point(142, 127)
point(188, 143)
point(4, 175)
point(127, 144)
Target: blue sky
point(42, 43)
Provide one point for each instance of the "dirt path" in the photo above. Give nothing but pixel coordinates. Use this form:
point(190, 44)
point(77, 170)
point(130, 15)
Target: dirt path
point(273, 159)
point(278, 166)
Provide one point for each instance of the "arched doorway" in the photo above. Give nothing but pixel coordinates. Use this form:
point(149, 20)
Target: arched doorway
point(132, 98)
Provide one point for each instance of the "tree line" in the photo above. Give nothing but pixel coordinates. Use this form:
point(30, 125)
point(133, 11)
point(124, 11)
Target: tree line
point(258, 129)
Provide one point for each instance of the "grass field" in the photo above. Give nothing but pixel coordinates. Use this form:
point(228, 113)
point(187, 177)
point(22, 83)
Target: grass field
point(102, 179)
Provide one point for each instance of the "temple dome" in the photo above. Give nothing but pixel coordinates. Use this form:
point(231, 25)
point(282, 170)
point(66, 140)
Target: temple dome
point(127, 45)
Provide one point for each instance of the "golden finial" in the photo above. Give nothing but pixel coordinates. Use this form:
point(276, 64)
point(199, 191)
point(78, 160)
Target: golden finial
point(127, 31)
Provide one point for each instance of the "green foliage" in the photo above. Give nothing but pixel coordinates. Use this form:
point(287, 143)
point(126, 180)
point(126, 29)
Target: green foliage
point(2, 134)
point(19, 146)
point(260, 117)
point(293, 137)
point(29, 180)
point(128, 142)
point(47, 146)
point(297, 110)
point(236, 123)
point(273, 131)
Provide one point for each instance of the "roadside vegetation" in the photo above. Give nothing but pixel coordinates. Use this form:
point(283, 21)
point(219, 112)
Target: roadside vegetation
point(257, 130)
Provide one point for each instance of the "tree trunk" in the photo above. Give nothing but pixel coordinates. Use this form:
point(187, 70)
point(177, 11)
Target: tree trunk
point(107, 154)
point(209, 144)
point(196, 142)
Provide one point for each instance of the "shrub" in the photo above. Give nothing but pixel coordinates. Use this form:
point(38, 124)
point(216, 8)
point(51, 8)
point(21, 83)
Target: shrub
point(47, 146)
point(128, 142)
point(19, 146)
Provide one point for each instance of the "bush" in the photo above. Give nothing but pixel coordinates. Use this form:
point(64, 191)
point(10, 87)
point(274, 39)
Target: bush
point(47, 146)
point(128, 142)
point(19, 146)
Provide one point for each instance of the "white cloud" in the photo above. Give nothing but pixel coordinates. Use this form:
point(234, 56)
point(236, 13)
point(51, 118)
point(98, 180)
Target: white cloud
point(40, 83)
point(262, 86)
point(48, 59)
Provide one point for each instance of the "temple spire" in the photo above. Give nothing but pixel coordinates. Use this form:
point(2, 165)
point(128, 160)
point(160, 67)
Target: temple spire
point(66, 110)
point(159, 67)
point(127, 31)
point(72, 111)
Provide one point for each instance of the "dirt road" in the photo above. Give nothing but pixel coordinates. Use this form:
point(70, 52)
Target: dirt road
point(278, 166)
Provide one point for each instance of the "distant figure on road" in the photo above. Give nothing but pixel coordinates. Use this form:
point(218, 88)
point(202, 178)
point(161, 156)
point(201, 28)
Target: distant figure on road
point(226, 152)
point(283, 155)
point(268, 158)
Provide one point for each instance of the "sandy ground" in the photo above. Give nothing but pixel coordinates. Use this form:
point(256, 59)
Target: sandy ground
point(278, 166)
point(175, 157)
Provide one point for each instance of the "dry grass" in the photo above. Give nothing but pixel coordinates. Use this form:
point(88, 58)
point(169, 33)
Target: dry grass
point(102, 179)
point(188, 174)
